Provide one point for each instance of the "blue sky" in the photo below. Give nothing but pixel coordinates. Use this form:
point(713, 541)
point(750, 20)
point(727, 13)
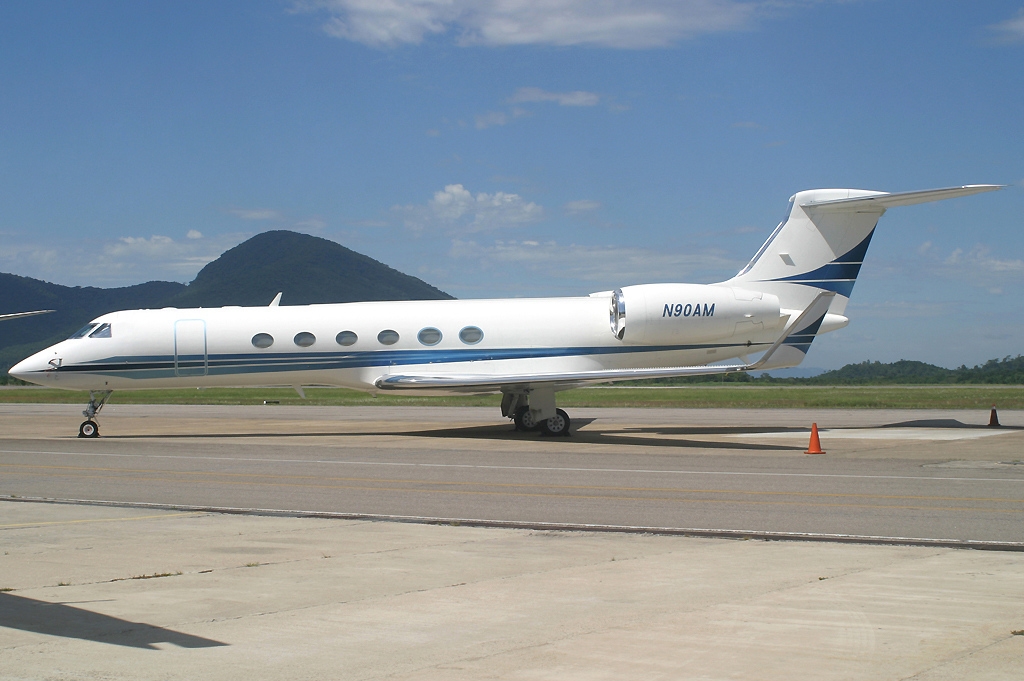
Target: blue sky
point(514, 148)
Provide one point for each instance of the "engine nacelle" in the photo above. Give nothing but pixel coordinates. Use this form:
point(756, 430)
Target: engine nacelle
point(678, 314)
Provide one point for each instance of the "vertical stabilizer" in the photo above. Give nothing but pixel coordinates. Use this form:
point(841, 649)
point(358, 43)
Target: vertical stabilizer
point(820, 246)
point(813, 249)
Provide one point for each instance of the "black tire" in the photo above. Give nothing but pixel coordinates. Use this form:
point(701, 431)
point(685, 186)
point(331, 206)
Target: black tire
point(556, 425)
point(89, 429)
point(524, 419)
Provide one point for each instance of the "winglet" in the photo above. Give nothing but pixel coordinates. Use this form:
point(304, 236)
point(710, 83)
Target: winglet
point(817, 308)
point(277, 300)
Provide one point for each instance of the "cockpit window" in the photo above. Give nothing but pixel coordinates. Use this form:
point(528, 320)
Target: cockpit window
point(83, 332)
point(103, 331)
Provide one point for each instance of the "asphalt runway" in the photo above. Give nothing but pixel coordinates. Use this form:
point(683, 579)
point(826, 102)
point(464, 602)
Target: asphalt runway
point(96, 590)
point(926, 475)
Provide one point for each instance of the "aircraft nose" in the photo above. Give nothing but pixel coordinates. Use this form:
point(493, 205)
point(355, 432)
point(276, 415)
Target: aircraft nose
point(20, 370)
point(32, 369)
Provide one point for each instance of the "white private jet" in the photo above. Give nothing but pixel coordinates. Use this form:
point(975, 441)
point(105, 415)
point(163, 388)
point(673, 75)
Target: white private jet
point(795, 287)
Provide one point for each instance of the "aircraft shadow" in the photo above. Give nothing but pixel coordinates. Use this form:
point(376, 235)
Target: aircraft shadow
point(646, 437)
point(67, 621)
point(652, 436)
point(943, 423)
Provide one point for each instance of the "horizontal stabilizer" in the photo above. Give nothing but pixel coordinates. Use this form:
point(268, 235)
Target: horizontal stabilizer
point(488, 382)
point(883, 201)
point(18, 315)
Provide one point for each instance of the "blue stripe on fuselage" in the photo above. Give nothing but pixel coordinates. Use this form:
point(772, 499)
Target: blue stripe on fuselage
point(229, 364)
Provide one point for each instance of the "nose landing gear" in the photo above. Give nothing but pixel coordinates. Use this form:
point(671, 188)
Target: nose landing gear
point(89, 427)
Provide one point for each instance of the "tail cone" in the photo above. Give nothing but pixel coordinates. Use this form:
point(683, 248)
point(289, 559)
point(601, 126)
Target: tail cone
point(993, 418)
point(815, 445)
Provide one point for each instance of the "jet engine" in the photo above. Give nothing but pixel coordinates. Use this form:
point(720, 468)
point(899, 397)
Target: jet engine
point(678, 314)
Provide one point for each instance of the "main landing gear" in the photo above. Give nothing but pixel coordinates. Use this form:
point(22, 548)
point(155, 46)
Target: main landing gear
point(89, 427)
point(535, 410)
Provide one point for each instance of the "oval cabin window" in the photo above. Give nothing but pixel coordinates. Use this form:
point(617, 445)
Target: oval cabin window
point(346, 338)
point(471, 335)
point(304, 339)
point(429, 336)
point(387, 337)
point(262, 340)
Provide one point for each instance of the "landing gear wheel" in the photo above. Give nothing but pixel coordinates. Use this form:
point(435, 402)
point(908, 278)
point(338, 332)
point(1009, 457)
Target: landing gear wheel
point(89, 429)
point(556, 425)
point(524, 419)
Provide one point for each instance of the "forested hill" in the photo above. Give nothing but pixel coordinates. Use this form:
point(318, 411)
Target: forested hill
point(1006, 371)
point(1009, 370)
point(307, 269)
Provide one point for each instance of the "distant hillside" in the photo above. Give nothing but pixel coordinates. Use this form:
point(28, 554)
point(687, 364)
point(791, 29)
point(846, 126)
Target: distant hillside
point(1009, 370)
point(306, 268)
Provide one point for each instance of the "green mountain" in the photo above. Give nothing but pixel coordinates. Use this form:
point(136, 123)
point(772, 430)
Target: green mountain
point(903, 372)
point(307, 269)
point(1007, 371)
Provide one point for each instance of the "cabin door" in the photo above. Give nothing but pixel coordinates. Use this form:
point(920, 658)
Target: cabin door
point(190, 347)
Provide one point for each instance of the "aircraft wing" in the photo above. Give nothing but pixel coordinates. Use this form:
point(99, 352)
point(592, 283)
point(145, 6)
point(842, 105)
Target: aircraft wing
point(17, 315)
point(487, 382)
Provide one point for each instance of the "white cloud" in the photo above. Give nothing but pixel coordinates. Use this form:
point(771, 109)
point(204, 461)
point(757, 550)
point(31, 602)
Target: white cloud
point(368, 223)
point(898, 309)
point(194, 234)
point(622, 24)
point(607, 265)
point(256, 214)
point(386, 23)
point(456, 210)
point(535, 94)
point(1011, 30)
point(124, 261)
point(154, 244)
point(978, 259)
point(582, 206)
point(490, 119)
point(312, 224)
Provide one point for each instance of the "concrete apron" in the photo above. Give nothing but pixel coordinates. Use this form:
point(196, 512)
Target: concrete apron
point(123, 593)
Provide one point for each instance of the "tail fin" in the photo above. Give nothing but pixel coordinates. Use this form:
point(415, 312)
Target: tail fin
point(820, 245)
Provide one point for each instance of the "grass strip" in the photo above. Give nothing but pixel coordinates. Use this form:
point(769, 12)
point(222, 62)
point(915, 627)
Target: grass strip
point(697, 396)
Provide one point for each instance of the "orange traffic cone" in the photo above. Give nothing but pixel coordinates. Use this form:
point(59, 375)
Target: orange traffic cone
point(993, 418)
point(815, 446)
